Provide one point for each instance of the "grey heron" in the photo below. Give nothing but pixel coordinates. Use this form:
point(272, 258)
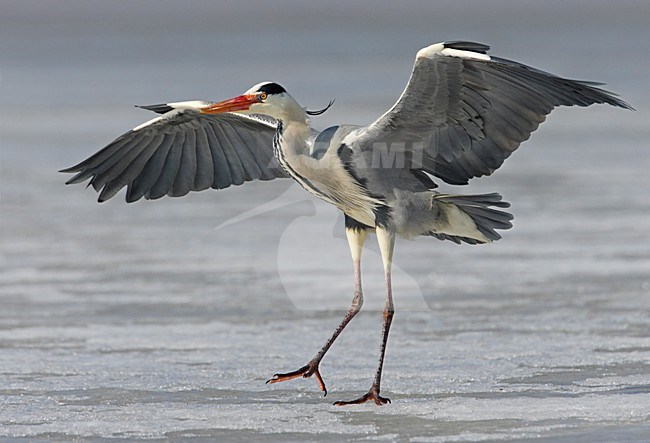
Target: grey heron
point(462, 113)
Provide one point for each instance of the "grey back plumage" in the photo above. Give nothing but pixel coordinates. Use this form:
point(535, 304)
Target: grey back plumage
point(183, 151)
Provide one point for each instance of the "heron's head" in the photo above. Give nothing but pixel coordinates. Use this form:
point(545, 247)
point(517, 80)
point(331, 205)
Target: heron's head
point(265, 98)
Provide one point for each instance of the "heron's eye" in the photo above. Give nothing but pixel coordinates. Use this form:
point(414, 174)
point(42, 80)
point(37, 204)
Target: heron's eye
point(263, 96)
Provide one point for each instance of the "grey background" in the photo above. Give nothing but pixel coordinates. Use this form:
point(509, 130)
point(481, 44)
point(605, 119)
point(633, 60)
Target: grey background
point(153, 320)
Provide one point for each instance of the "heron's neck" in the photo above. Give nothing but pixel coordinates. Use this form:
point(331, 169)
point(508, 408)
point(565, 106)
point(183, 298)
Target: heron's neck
point(292, 151)
point(286, 109)
point(291, 140)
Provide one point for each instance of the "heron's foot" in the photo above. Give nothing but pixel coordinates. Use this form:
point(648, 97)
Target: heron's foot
point(306, 371)
point(373, 395)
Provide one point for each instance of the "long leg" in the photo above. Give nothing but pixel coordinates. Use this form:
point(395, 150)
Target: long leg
point(356, 235)
point(386, 241)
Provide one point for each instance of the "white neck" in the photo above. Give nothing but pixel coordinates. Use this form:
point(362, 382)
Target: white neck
point(292, 112)
point(293, 140)
point(295, 126)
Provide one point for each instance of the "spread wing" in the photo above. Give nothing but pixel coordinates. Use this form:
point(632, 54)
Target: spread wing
point(464, 112)
point(182, 151)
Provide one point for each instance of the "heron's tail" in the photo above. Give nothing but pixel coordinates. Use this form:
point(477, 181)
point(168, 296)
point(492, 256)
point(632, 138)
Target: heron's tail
point(479, 208)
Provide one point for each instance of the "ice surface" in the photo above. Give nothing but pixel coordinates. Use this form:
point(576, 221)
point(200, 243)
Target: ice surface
point(150, 321)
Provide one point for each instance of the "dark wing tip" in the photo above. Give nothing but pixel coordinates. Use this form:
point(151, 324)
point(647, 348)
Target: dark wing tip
point(160, 108)
point(564, 88)
point(615, 101)
point(603, 96)
point(69, 170)
point(467, 46)
point(82, 174)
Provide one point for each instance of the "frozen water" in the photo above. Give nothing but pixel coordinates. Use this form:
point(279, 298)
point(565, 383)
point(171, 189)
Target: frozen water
point(159, 320)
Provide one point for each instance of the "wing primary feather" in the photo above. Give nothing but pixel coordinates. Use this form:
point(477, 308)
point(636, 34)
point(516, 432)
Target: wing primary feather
point(184, 179)
point(491, 159)
point(573, 88)
point(261, 157)
point(115, 164)
point(230, 153)
point(445, 146)
point(461, 138)
point(151, 171)
point(267, 161)
point(131, 168)
point(221, 171)
point(204, 164)
point(97, 181)
point(536, 99)
point(249, 165)
point(445, 172)
point(473, 163)
point(105, 153)
point(165, 180)
point(507, 123)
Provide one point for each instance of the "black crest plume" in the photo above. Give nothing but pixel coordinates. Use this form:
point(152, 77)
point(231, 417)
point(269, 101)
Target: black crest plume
point(321, 111)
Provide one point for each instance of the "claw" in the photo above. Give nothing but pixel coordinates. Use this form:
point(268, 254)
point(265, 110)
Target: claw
point(373, 395)
point(305, 372)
